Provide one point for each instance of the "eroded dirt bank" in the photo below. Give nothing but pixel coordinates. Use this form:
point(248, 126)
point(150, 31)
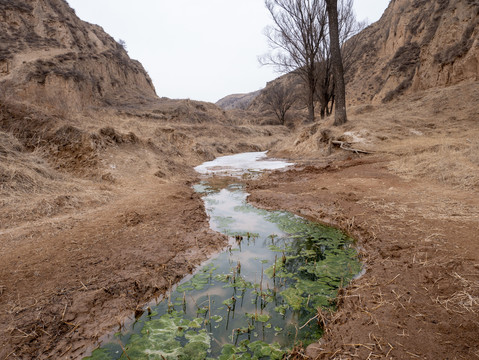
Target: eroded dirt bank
point(67, 281)
point(419, 297)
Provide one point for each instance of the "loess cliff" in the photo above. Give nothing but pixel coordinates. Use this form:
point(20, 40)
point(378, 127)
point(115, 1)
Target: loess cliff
point(49, 57)
point(416, 45)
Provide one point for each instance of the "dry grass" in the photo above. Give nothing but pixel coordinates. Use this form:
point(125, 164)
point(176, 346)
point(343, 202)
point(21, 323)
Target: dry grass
point(21, 171)
point(464, 301)
point(31, 189)
point(432, 134)
point(54, 165)
point(456, 165)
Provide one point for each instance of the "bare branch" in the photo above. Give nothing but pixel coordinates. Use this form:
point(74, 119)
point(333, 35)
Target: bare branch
point(300, 43)
point(295, 40)
point(279, 98)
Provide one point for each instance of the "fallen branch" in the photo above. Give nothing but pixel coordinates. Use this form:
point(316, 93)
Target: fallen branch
point(346, 146)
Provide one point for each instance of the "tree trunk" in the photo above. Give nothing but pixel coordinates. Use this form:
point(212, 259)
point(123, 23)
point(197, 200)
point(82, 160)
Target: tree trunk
point(337, 63)
point(330, 108)
point(311, 88)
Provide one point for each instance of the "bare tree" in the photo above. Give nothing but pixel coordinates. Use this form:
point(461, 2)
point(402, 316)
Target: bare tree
point(325, 84)
point(122, 43)
point(279, 98)
point(295, 40)
point(340, 116)
point(348, 27)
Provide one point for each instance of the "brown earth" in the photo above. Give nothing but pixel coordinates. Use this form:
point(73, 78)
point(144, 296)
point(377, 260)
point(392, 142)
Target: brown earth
point(84, 245)
point(68, 280)
point(412, 205)
point(419, 297)
point(97, 220)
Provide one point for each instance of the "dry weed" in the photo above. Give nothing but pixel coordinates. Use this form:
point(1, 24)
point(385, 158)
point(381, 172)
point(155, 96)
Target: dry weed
point(21, 171)
point(455, 165)
point(464, 301)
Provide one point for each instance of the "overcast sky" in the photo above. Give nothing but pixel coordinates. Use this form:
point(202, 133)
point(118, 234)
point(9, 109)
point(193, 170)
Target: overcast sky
point(197, 49)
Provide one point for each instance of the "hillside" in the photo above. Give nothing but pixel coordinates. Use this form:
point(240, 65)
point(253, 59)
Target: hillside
point(69, 92)
point(416, 45)
point(237, 101)
point(49, 57)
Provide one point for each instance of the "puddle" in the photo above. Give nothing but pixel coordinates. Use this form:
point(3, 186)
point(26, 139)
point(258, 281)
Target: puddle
point(253, 301)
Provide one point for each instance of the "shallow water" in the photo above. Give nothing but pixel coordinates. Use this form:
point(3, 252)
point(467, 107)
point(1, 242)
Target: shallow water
point(254, 299)
point(239, 164)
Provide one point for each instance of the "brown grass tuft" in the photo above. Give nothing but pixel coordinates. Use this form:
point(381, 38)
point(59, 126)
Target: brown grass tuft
point(456, 165)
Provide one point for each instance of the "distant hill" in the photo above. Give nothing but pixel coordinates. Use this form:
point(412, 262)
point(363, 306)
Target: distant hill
point(237, 101)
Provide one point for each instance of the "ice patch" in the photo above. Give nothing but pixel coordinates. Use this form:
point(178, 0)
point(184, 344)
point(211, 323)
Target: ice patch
point(239, 164)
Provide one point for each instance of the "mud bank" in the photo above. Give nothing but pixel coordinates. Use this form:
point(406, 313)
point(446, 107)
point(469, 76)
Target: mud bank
point(419, 296)
point(68, 281)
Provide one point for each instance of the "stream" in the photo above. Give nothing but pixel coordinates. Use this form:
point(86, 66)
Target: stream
point(259, 297)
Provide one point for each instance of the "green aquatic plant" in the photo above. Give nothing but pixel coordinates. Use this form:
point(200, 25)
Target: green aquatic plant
point(251, 351)
point(164, 338)
point(198, 281)
point(317, 261)
point(99, 354)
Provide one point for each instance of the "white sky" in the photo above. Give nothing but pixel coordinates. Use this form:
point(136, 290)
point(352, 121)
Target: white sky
point(197, 49)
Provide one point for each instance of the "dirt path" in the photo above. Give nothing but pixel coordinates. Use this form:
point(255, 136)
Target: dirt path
point(419, 297)
point(66, 283)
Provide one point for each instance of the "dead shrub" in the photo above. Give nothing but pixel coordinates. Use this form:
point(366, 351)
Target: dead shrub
point(67, 135)
point(326, 135)
point(9, 145)
point(31, 130)
point(270, 121)
point(405, 59)
point(21, 171)
point(110, 135)
point(460, 48)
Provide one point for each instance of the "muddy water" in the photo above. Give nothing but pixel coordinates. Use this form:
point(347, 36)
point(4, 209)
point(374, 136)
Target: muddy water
point(256, 299)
